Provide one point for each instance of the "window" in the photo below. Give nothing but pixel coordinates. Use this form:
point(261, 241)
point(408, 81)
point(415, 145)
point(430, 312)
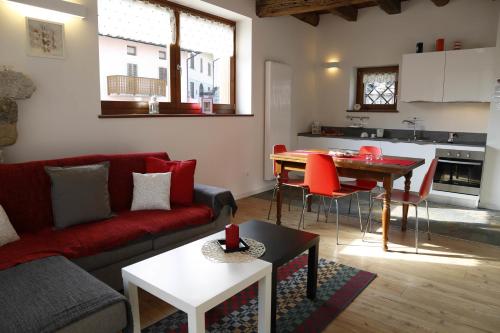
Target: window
point(131, 50)
point(377, 88)
point(168, 34)
point(191, 60)
point(132, 70)
point(191, 89)
point(201, 91)
point(162, 73)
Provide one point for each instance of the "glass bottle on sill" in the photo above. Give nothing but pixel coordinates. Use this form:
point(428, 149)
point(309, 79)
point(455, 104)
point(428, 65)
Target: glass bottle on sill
point(154, 105)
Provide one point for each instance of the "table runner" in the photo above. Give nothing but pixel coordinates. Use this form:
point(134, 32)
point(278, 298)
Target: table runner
point(361, 158)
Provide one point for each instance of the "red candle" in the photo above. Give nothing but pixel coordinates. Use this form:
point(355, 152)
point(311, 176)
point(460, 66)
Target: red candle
point(440, 44)
point(232, 236)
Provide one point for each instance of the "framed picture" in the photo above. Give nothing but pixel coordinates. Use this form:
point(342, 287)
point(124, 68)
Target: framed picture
point(207, 104)
point(44, 38)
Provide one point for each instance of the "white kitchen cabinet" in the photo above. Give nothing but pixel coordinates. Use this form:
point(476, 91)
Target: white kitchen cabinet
point(422, 77)
point(450, 76)
point(469, 75)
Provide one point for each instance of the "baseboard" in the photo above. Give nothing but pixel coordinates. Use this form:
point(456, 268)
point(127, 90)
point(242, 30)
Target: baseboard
point(253, 192)
point(468, 201)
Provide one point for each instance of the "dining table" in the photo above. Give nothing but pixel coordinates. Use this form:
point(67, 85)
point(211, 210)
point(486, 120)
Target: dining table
point(385, 169)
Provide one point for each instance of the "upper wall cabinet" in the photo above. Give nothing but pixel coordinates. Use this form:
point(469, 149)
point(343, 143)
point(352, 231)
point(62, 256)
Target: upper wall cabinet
point(469, 75)
point(422, 77)
point(451, 76)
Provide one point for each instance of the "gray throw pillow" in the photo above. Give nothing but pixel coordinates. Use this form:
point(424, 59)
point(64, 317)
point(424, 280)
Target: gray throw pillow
point(79, 194)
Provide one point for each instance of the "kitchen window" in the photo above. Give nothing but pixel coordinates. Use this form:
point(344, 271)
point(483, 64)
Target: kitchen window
point(184, 36)
point(377, 89)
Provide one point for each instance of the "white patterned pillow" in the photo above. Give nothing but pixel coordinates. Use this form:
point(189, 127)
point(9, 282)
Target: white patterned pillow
point(151, 191)
point(7, 232)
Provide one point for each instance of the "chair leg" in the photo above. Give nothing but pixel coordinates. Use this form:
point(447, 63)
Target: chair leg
point(359, 212)
point(337, 213)
point(304, 204)
point(371, 207)
point(329, 209)
point(271, 203)
point(428, 221)
point(416, 229)
point(369, 220)
point(320, 205)
point(350, 203)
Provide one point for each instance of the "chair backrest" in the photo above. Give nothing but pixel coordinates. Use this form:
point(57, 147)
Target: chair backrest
point(276, 150)
point(370, 150)
point(425, 188)
point(321, 175)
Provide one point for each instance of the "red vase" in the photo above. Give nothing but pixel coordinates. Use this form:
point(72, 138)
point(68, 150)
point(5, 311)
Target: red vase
point(232, 236)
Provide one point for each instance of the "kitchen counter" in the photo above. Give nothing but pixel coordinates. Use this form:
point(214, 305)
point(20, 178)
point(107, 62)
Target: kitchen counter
point(396, 140)
point(403, 136)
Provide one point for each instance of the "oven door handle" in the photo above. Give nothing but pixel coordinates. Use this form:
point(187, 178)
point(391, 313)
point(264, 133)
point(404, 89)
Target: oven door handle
point(459, 162)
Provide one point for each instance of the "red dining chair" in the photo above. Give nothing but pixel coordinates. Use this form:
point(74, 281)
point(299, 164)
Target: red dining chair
point(285, 180)
point(365, 185)
point(414, 199)
point(322, 180)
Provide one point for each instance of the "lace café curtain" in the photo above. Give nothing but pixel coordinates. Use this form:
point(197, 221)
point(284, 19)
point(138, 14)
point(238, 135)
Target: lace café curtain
point(136, 20)
point(373, 78)
point(207, 36)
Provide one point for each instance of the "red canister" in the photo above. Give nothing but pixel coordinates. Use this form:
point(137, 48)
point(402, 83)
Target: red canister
point(440, 44)
point(232, 236)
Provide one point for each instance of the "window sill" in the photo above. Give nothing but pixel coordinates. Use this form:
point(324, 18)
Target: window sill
point(375, 110)
point(162, 115)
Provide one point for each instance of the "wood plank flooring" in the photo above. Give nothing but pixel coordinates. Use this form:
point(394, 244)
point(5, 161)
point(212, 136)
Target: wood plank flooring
point(450, 286)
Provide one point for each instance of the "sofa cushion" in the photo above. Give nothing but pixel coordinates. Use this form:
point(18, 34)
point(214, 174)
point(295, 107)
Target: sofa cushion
point(79, 194)
point(58, 293)
point(151, 191)
point(182, 189)
point(91, 238)
point(7, 232)
point(25, 189)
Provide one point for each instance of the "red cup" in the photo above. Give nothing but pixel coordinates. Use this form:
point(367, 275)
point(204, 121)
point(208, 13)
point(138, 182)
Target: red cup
point(440, 44)
point(232, 236)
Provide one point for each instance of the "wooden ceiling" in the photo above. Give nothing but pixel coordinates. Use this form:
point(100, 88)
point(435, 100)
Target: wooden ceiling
point(309, 11)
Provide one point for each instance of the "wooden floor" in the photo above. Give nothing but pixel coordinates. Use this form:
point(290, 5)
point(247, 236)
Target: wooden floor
point(450, 286)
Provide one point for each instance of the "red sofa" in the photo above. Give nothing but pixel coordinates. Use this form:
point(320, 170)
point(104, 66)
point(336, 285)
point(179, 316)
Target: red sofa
point(101, 247)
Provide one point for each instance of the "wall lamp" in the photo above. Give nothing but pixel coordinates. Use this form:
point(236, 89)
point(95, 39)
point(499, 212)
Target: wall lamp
point(38, 8)
point(331, 64)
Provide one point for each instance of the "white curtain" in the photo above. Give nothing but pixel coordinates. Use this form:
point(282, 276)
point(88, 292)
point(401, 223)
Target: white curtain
point(136, 20)
point(203, 35)
point(379, 78)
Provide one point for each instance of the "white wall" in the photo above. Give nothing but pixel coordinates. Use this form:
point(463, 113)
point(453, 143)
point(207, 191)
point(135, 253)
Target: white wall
point(378, 39)
point(490, 188)
point(61, 117)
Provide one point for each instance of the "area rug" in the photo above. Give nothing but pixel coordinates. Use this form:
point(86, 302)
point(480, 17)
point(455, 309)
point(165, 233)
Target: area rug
point(338, 286)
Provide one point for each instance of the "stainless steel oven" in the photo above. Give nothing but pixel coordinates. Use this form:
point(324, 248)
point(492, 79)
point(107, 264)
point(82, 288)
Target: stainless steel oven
point(458, 171)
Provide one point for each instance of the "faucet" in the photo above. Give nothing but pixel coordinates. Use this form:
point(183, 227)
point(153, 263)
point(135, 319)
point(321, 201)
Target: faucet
point(412, 122)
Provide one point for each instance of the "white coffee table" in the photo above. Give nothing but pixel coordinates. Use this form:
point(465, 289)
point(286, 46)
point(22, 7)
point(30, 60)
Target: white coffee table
point(184, 278)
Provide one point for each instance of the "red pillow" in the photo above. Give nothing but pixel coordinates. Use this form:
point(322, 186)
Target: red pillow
point(182, 187)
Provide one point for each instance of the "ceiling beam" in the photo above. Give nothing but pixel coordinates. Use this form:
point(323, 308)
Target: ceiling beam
point(349, 13)
point(270, 8)
point(390, 6)
point(440, 3)
point(310, 18)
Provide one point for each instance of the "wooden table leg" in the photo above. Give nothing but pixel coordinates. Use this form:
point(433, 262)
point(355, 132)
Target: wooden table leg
point(386, 213)
point(279, 198)
point(312, 271)
point(309, 203)
point(404, 220)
